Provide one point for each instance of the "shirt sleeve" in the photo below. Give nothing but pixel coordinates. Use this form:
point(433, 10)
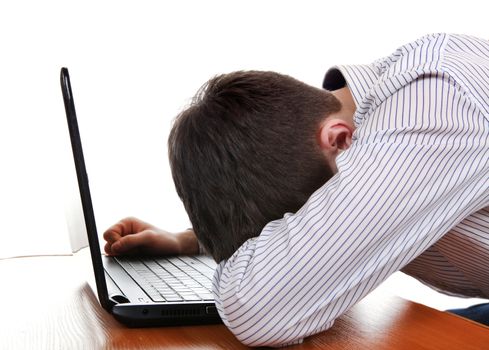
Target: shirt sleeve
point(413, 171)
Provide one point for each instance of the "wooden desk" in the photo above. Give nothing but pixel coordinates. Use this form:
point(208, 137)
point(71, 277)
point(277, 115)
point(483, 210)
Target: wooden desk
point(46, 304)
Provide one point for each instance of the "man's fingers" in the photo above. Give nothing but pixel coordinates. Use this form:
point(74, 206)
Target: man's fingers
point(120, 229)
point(128, 236)
point(114, 232)
point(128, 243)
point(111, 236)
point(108, 249)
point(124, 227)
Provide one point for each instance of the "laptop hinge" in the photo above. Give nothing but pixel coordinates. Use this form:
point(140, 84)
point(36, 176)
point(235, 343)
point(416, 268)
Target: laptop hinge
point(118, 299)
point(115, 294)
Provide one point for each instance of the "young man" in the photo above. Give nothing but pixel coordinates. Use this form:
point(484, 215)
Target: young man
point(386, 169)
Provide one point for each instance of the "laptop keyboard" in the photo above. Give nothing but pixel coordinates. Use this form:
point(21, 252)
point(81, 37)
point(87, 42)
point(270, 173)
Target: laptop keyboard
point(185, 278)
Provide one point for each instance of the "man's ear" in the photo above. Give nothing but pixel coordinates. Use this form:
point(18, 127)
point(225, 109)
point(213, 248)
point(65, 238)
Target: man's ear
point(334, 136)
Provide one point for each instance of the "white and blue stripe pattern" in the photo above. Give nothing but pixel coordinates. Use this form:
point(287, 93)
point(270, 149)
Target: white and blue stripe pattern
point(411, 194)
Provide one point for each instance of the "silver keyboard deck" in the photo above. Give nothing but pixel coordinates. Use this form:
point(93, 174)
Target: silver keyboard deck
point(176, 279)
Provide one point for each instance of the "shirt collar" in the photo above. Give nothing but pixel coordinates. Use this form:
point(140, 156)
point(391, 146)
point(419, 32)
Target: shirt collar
point(359, 79)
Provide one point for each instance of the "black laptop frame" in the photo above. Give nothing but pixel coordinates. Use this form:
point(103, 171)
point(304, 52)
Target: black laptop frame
point(81, 174)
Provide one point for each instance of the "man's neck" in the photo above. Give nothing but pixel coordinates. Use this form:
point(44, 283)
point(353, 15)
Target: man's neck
point(348, 106)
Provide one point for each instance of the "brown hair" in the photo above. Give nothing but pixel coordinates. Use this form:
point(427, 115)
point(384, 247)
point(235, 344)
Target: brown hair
point(245, 152)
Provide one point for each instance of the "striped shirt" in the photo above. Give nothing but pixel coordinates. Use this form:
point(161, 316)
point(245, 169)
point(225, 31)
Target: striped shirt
point(411, 194)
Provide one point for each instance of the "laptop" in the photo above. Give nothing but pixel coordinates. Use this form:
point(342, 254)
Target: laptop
point(141, 291)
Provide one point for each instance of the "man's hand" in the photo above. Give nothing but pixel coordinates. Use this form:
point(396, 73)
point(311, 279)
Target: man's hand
point(132, 236)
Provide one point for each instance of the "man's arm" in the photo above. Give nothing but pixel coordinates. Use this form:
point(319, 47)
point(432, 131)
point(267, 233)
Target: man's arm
point(403, 184)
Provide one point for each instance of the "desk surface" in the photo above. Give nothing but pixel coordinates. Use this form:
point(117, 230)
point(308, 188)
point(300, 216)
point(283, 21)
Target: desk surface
point(46, 304)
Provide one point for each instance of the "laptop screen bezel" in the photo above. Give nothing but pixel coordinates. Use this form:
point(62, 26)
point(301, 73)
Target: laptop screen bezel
point(84, 188)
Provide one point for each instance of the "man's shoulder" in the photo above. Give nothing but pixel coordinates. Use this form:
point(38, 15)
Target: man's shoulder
point(423, 55)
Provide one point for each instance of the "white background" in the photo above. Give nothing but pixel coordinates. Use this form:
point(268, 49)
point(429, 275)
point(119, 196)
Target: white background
point(134, 65)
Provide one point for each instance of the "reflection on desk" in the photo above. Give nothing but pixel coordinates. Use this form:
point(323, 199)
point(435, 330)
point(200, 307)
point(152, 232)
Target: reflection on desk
point(47, 304)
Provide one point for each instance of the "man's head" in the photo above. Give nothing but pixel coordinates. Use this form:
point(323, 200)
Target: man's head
point(251, 147)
